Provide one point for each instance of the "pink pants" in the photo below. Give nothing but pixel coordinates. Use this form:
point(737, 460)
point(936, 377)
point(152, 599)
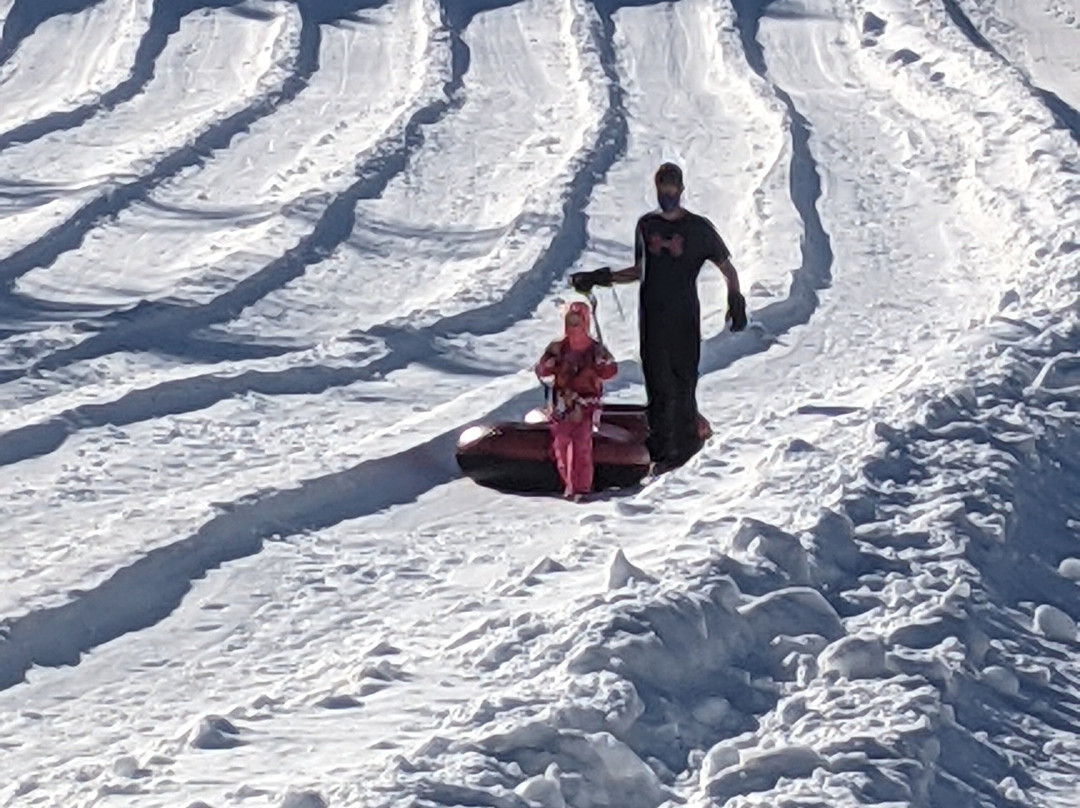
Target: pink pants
point(572, 444)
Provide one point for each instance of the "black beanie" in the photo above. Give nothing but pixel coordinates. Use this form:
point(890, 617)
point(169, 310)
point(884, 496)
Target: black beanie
point(669, 173)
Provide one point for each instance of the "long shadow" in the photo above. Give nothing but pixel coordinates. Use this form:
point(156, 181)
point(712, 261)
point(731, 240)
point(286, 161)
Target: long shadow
point(165, 19)
point(168, 328)
point(189, 395)
point(69, 234)
point(26, 15)
point(568, 243)
point(1066, 115)
point(149, 589)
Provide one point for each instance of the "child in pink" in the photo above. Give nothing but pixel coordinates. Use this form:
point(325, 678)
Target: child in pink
point(577, 364)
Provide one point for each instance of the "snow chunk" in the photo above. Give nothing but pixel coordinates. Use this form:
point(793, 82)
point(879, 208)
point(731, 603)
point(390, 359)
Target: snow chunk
point(1070, 568)
point(1011, 790)
point(612, 773)
point(543, 790)
point(128, 766)
point(860, 656)
point(766, 545)
point(621, 572)
point(546, 566)
point(684, 642)
point(724, 755)
point(834, 552)
point(1054, 624)
point(1001, 679)
point(215, 732)
point(793, 611)
point(339, 702)
point(712, 711)
point(600, 770)
point(598, 702)
point(303, 799)
point(761, 771)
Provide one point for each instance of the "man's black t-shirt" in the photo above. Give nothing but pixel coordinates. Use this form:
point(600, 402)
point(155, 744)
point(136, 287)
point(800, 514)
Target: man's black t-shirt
point(671, 254)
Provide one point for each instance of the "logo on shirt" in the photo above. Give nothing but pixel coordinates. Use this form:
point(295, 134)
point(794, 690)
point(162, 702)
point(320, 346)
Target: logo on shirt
point(673, 245)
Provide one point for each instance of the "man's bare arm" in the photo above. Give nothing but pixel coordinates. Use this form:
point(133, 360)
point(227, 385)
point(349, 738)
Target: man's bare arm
point(727, 269)
point(736, 303)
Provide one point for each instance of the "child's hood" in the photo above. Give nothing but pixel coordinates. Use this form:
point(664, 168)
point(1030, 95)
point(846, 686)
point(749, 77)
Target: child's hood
point(577, 333)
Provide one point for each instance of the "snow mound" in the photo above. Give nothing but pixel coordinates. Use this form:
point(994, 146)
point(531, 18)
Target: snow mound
point(860, 656)
point(621, 572)
point(128, 766)
point(1054, 624)
point(215, 732)
point(303, 799)
point(339, 702)
point(1001, 679)
point(761, 770)
point(546, 566)
point(1070, 568)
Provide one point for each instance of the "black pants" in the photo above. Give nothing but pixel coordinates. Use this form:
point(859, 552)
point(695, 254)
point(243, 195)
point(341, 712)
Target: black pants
point(669, 362)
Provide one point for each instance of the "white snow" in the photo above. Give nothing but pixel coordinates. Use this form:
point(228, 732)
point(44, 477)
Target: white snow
point(35, 83)
point(217, 63)
point(1070, 568)
point(246, 309)
point(1054, 624)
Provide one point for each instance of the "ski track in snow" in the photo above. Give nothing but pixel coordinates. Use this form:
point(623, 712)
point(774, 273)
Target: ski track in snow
point(197, 260)
point(54, 432)
point(856, 575)
point(79, 186)
point(110, 34)
point(406, 344)
point(1064, 110)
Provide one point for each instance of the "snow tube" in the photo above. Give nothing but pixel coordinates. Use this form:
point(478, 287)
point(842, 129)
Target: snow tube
point(516, 455)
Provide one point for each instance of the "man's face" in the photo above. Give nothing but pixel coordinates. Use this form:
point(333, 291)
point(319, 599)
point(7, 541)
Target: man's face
point(668, 189)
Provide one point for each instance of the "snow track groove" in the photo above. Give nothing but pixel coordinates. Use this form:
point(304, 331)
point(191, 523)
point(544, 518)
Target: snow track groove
point(110, 55)
point(1067, 116)
point(120, 194)
point(168, 327)
point(146, 591)
point(405, 346)
point(153, 325)
point(164, 20)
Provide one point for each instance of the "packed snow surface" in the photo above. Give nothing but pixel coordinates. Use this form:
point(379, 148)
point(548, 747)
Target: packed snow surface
point(262, 261)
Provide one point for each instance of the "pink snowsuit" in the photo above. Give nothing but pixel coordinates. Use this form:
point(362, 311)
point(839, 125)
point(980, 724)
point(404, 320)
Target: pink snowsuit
point(578, 364)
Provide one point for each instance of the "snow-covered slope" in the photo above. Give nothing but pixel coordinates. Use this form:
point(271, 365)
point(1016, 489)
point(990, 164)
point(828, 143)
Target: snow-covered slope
point(261, 263)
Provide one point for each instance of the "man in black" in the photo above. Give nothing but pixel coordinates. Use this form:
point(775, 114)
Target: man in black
point(670, 247)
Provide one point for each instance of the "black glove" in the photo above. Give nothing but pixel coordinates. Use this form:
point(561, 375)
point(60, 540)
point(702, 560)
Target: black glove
point(584, 281)
point(736, 310)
